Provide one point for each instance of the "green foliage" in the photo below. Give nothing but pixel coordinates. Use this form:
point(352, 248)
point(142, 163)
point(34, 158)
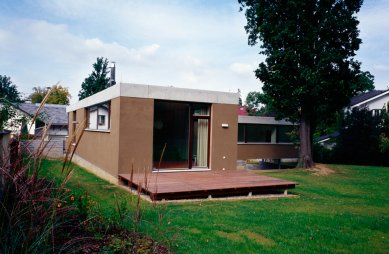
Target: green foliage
point(363, 140)
point(8, 90)
point(254, 105)
point(8, 96)
point(8, 111)
point(310, 71)
point(38, 94)
point(384, 136)
point(58, 95)
point(358, 141)
point(97, 80)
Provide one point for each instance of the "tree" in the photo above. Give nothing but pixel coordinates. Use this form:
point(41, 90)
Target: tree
point(58, 95)
point(254, 106)
point(8, 90)
point(310, 71)
point(359, 138)
point(97, 80)
point(9, 95)
point(38, 94)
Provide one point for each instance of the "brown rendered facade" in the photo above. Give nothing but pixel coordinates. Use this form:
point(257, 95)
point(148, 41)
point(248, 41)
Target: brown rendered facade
point(128, 142)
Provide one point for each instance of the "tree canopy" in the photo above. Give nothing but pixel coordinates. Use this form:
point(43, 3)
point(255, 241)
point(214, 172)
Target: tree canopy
point(9, 95)
point(58, 95)
point(8, 90)
point(310, 71)
point(97, 80)
point(254, 106)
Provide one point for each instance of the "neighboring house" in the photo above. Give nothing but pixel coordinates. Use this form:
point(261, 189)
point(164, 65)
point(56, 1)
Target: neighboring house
point(242, 110)
point(53, 116)
point(375, 100)
point(328, 141)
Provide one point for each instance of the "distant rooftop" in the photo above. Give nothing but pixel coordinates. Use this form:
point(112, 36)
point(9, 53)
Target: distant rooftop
point(365, 96)
point(52, 113)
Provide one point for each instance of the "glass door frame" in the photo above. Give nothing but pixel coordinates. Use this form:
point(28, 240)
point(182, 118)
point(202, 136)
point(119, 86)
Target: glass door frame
point(194, 117)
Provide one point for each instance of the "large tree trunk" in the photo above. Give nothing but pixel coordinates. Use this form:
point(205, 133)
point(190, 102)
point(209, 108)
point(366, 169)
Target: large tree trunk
point(305, 155)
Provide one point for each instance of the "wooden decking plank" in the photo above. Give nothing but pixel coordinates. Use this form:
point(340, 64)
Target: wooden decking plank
point(186, 184)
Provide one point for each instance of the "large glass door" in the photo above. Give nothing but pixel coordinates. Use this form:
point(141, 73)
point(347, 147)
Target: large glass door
point(181, 135)
point(171, 135)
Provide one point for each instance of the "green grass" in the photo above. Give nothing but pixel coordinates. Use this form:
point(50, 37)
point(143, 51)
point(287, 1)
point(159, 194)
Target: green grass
point(345, 212)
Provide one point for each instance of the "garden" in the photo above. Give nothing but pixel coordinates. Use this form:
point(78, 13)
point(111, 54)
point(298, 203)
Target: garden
point(345, 210)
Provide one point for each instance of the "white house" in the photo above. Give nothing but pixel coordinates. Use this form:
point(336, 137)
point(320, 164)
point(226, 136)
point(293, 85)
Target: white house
point(374, 100)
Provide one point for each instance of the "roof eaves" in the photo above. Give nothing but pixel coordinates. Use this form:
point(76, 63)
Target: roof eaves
point(370, 99)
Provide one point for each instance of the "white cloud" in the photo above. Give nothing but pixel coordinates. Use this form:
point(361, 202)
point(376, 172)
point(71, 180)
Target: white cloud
point(162, 43)
point(149, 50)
point(380, 67)
point(54, 53)
point(242, 68)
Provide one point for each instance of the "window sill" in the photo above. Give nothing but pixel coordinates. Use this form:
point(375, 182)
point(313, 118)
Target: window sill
point(96, 130)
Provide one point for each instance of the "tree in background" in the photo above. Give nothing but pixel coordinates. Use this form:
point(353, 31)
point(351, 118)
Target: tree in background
point(359, 138)
point(9, 95)
point(97, 80)
point(254, 106)
point(8, 90)
point(310, 71)
point(58, 95)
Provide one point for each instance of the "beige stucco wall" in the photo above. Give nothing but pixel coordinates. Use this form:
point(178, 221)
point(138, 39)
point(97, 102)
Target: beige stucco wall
point(223, 140)
point(266, 151)
point(101, 148)
point(129, 143)
point(136, 134)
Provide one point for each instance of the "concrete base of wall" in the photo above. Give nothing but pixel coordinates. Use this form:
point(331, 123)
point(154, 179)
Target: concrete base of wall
point(95, 169)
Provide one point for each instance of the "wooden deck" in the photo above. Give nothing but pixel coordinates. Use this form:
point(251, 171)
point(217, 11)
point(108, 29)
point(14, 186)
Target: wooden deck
point(186, 185)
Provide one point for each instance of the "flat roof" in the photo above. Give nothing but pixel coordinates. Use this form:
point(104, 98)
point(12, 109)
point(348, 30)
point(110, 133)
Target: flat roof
point(156, 92)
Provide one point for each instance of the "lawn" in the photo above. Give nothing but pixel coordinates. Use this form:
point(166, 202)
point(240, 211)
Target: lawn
point(345, 212)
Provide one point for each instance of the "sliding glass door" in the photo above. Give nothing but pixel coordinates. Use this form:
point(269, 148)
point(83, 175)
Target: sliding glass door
point(181, 135)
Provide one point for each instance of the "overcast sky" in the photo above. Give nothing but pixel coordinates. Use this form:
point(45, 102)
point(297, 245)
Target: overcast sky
point(194, 44)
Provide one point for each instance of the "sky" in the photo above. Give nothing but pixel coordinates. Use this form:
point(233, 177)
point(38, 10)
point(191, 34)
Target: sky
point(197, 44)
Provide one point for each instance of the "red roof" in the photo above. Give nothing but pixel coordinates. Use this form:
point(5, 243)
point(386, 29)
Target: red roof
point(242, 111)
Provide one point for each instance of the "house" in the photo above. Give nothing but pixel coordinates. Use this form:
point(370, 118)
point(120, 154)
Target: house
point(242, 110)
point(189, 137)
point(53, 116)
point(153, 128)
point(374, 100)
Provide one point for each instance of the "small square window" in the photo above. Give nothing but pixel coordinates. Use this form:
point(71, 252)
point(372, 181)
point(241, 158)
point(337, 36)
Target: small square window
point(101, 119)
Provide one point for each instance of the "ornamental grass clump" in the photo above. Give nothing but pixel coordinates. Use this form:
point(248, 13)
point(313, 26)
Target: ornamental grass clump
point(35, 214)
